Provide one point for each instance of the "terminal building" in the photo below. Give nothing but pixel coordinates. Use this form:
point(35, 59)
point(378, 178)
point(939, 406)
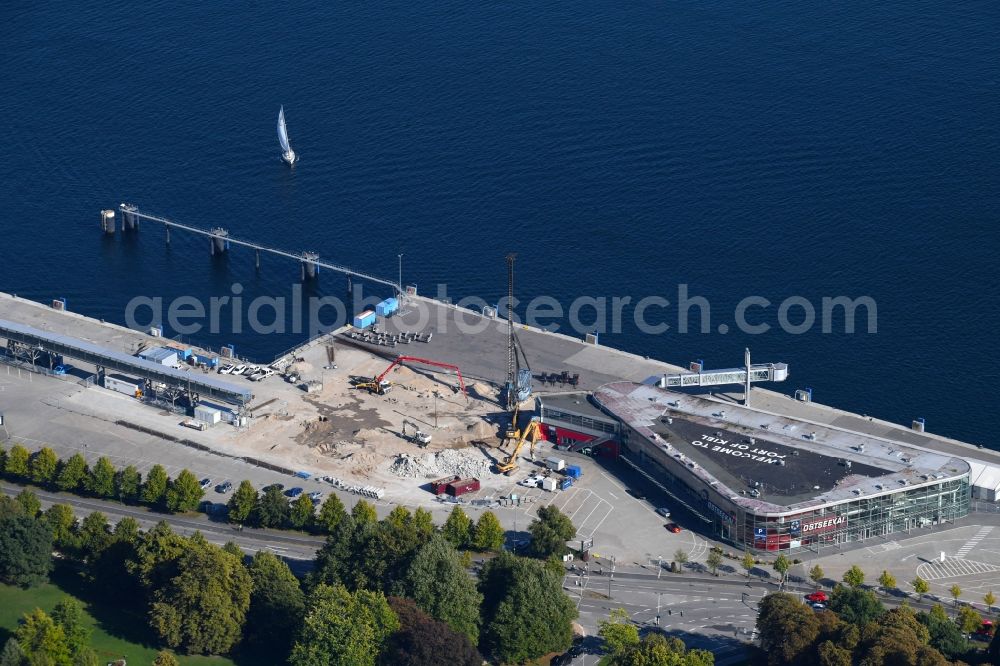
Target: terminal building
point(768, 482)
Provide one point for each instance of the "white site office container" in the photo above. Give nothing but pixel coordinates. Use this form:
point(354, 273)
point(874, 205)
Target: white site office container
point(555, 464)
point(209, 415)
point(123, 384)
point(549, 484)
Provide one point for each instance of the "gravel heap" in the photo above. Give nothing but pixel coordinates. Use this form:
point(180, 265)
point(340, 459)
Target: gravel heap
point(464, 464)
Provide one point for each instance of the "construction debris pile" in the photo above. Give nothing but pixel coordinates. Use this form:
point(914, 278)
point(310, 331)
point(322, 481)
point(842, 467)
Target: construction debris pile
point(463, 464)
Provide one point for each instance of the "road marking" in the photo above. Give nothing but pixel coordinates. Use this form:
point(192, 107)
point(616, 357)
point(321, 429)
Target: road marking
point(974, 541)
point(953, 567)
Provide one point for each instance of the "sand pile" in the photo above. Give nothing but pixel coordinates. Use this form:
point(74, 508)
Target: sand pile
point(441, 464)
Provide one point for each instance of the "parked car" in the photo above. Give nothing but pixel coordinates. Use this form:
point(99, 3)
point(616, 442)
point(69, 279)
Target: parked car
point(278, 486)
point(206, 483)
point(663, 511)
point(315, 496)
point(818, 606)
point(226, 369)
point(224, 487)
point(293, 492)
point(673, 527)
point(818, 597)
point(60, 369)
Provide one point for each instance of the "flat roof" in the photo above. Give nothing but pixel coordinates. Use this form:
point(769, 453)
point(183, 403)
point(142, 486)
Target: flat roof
point(792, 464)
point(83, 350)
point(576, 402)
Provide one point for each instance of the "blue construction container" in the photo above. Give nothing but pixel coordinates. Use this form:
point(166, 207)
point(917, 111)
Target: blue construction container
point(573, 471)
point(365, 319)
point(565, 483)
point(387, 307)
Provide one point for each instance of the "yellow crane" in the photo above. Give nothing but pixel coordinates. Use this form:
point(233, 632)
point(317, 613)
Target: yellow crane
point(532, 433)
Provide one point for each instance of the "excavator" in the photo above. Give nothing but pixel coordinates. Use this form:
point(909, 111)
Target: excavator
point(380, 385)
point(419, 436)
point(532, 433)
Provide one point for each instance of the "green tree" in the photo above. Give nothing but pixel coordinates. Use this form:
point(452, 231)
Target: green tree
point(343, 629)
point(816, 575)
point(233, 549)
point(969, 620)
point(363, 512)
point(681, 558)
point(68, 614)
point(550, 532)
point(184, 493)
point(423, 641)
point(855, 605)
point(511, 584)
point(242, 503)
point(781, 565)
point(656, 649)
point(423, 522)
point(714, 561)
point(203, 605)
point(330, 514)
point(61, 522)
point(154, 490)
point(43, 466)
point(43, 640)
point(72, 473)
point(887, 581)
point(94, 534)
point(128, 483)
point(944, 635)
point(276, 605)
point(920, 586)
point(831, 654)
point(17, 461)
point(29, 503)
point(439, 583)
point(25, 552)
point(302, 511)
point(989, 599)
point(489, 534)
point(457, 528)
point(271, 510)
point(164, 658)
point(102, 478)
point(787, 628)
point(12, 654)
point(333, 561)
point(618, 632)
point(748, 563)
point(854, 576)
point(955, 591)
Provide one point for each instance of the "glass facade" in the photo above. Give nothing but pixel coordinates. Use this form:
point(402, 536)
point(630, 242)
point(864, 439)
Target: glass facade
point(857, 520)
point(587, 422)
point(865, 517)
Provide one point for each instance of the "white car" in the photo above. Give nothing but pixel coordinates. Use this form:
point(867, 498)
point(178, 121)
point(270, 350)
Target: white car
point(238, 370)
point(225, 370)
point(531, 481)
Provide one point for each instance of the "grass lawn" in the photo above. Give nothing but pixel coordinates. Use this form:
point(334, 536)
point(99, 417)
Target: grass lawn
point(114, 632)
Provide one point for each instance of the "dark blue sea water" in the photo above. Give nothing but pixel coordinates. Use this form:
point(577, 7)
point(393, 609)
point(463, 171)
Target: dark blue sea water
point(621, 148)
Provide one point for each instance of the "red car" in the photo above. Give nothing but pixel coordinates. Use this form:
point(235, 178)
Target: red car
point(673, 527)
point(817, 597)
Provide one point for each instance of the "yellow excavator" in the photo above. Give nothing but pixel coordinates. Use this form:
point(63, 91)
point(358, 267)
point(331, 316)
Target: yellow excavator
point(532, 433)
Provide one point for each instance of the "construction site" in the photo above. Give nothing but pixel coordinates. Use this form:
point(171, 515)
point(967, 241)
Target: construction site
point(415, 401)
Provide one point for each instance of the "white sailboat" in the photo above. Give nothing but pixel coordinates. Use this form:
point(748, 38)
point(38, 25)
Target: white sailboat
point(287, 153)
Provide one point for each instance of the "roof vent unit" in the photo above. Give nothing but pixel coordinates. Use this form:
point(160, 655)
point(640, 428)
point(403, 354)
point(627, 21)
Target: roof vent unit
point(878, 486)
point(857, 491)
point(902, 482)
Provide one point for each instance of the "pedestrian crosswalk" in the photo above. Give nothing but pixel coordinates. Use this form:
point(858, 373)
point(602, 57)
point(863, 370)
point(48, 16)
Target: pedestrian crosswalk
point(952, 567)
point(974, 541)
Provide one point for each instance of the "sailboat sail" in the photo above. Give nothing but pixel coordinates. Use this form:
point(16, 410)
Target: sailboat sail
point(283, 131)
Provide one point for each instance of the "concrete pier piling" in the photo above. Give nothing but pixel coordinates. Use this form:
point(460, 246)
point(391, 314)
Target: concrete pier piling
point(130, 221)
point(108, 221)
point(309, 267)
point(220, 242)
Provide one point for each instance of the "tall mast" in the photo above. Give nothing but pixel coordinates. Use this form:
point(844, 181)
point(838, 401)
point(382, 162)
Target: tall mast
point(511, 354)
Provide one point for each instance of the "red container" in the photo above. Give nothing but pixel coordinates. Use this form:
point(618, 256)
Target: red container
point(441, 485)
point(462, 486)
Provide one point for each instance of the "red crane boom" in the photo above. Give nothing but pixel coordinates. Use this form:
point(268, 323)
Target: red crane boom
point(400, 359)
